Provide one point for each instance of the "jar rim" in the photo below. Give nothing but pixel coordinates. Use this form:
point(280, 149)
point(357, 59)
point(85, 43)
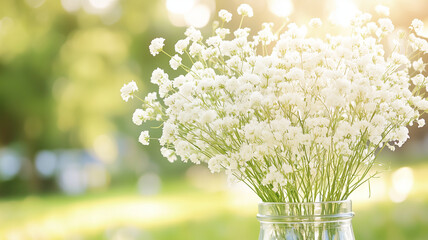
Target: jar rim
point(305, 212)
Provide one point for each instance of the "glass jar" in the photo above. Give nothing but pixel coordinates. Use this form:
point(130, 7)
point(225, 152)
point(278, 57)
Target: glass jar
point(306, 221)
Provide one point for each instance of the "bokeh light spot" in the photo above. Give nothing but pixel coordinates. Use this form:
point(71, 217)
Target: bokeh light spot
point(112, 16)
point(199, 16)
point(46, 163)
point(102, 4)
point(72, 180)
point(402, 184)
point(71, 5)
point(35, 3)
point(176, 19)
point(281, 8)
point(344, 11)
point(10, 164)
point(180, 6)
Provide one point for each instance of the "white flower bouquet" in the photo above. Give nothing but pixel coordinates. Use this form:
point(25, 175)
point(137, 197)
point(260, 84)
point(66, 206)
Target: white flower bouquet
point(296, 118)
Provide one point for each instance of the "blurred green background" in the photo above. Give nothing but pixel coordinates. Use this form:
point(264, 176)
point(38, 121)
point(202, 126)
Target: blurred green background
point(70, 163)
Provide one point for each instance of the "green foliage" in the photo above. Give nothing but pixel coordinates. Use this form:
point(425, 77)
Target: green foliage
point(60, 72)
point(60, 75)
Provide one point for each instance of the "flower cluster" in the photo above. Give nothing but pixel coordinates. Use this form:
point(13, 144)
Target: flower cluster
point(301, 122)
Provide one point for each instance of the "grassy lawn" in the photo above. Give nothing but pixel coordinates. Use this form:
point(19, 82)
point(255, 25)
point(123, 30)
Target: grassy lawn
point(184, 212)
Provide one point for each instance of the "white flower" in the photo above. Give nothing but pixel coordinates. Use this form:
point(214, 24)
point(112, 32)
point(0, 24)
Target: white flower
point(245, 10)
point(169, 154)
point(175, 62)
point(242, 33)
point(315, 23)
point(222, 32)
point(419, 65)
point(386, 25)
point(193, 34)
point(208, 116)
point(418, 26)
point(418, 44)
point(402, 135)
point(382, 10)
point(399, 59)
point(156, 46)
point(144, 138)
point(266, 35)
point(214, 41)
point(158, 117)
point(418, 80)
point(164, 88)
point(138, 116)
point(225, 15)
point(421, 122)
point(216, 162)
point(195, 49)
point(158, 76)
point(150, 98)
point(372, 27)
point(181, 45)
point(127, 91)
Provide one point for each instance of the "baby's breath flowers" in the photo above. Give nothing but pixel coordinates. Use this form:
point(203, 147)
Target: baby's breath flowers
point(181, 45)
point(315, 23)
point(156, 46)
point(139, 116)
point(128, 90)
point(245, 10)
point(225, 16)
point(144, 138)
point(302, 122)
point(175, 62)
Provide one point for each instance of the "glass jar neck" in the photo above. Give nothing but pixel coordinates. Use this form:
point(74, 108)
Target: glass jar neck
point(271, 212)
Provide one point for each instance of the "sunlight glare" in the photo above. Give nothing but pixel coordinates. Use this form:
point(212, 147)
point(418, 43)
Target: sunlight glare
point(344, 11)
point(176, 19)
point(71, 5)
point(179, 6)
point(281, 8)
point(199, 16)
point(241, 194)
point(375, 190)
point(402, 184)
point(102, 4)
